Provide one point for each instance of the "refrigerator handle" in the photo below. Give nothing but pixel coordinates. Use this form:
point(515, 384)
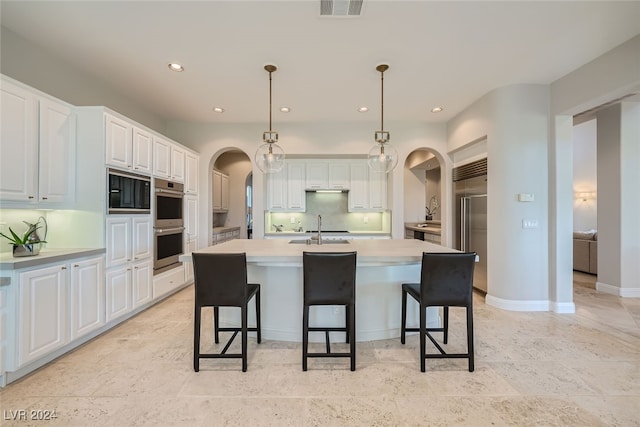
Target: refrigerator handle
point(463, 224)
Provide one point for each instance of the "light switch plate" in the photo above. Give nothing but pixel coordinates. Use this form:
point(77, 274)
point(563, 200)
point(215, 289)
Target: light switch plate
point(529, 223)
point(525, 197)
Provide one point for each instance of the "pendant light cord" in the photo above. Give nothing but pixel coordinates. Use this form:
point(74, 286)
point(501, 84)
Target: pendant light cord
point(270, 101)
point(382, 101)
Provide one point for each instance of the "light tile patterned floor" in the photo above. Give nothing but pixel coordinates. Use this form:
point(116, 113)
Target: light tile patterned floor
point(532, 369)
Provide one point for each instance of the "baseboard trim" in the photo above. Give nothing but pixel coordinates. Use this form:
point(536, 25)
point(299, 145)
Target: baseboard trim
point(517, 305)
point(563, 307)
point(618, 291)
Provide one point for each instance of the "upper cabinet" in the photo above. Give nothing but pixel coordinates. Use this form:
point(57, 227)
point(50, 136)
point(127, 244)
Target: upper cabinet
point(191, 173)
point(220, 192)
point(327, 175)
point(168, 160)
point(37, 148)
point(368, 189)
point(127, 146)
point(286, 189)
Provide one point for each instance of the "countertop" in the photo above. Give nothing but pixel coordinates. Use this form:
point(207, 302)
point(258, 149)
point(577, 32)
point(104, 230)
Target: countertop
point(426, 226)
point(46, 256)
point(371, 252)
point(298, 234)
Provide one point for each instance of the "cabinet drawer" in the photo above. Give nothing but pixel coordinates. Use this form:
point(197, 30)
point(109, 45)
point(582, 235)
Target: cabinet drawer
point(168, 281)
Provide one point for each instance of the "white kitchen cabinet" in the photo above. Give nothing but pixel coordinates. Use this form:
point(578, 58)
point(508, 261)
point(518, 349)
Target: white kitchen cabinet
point(142, 157)
point(377, 190)
point(43, 314)
point(87, 307)
point(37, 148)
point(286, 188)
point(368, 192)
point(220, 192)
point(317, 177)
point(141, 283)
point(177, 163)
point(339, 174)
point(191, 173)
point(191, 232)
point(168, 281)
point(161, 158)
point(277, 190)
point(118, 292)
point(119, 142)
point(129, 263)
point(168, 160)
point(296, 198)
point(56, 175)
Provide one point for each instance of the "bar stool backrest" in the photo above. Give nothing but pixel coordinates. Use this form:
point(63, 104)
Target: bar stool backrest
point(447, 278)
point(329, 277)
point(220, 279)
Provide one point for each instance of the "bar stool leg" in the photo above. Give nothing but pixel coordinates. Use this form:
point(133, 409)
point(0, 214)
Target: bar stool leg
point(403, 326)
point(196, 340)
point(445, 324)
point(258, 325)
point(216, 324)
point(423, 327)
point(305, 336)
point(347, 321)
point(351, 309)
point(243, 310)
point(470, 348)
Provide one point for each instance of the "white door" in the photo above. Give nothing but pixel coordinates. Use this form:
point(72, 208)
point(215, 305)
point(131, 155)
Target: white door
point(118, 292)
point(118, 142)
point(57, 153)
point(118, 240)
point(177, 163)
point(317, 176)
point(161, 158)
point(142, 151)
point(191, 217)
point(225, 193)
point(276, 190)
point(191, 174)
point(338, 176)
point(87, 297)
point(296, 198)
point(142, 274)
point(359, 193)
point(18, 144)
point(377, 190)
point(43, 314)
point(142, 237)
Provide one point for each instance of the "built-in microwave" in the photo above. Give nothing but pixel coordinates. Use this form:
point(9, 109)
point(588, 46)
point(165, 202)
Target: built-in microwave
point(128, 193)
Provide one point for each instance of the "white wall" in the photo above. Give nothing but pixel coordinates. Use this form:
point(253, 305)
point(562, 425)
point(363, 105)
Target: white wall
point(515, 122)
point(28, 63)
point(585, 212)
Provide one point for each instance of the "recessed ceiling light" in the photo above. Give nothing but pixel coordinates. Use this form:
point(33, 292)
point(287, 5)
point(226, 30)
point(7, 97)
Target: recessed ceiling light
point(218, 110)
point(363, 109)
point(436, 109)
point(176, 67)
point(285, 109)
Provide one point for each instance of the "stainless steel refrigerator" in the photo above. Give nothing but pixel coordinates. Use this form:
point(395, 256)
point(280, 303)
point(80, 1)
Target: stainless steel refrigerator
point(471, 223)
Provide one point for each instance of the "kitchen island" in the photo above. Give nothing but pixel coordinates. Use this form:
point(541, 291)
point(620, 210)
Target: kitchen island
point(382, 266)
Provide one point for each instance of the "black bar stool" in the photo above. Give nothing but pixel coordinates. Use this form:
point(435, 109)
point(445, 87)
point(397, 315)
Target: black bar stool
point(446, 281)
point(329, 279)
point(220, 280)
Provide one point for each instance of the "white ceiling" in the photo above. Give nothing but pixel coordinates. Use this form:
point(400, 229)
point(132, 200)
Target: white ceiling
point(440, 53)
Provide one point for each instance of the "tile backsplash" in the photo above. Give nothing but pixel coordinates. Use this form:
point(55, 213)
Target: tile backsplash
point(335, 216)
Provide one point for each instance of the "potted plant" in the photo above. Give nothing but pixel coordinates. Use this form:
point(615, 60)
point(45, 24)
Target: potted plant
point(28, 244)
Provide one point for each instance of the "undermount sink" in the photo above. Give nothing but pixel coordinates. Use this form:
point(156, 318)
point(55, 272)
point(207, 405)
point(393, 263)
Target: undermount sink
point(315, 242)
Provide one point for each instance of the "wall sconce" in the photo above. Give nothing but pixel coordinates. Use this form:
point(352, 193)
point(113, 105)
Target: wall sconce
point(585, 195)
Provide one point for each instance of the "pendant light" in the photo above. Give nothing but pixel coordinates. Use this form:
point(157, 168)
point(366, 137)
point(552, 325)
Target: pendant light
point(382, 157)
point(270, 156)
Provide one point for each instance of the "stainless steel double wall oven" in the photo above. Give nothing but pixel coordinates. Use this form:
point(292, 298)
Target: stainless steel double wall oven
point(168, 225)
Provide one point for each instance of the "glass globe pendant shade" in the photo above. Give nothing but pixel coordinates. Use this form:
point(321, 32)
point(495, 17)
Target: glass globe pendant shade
point(270, 157)
point(382, 158)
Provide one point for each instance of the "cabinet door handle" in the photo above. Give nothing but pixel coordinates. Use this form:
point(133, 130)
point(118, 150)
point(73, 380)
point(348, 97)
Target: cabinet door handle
point(63, 268)
point(31, 197)
point(44, 198)
point(76, 265)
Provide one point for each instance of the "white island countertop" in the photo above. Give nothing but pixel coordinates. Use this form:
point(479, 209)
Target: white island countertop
point(370, 251)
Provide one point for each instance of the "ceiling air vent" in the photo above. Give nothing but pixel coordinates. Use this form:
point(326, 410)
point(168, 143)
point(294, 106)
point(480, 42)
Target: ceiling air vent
point(340, 7)
point(470, 170)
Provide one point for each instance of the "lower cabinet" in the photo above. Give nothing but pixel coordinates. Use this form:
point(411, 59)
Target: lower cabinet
point(142, 283)
point(87, 297)
point(168, 281)
point(118, 295)
point(58, 304)
point(43, 312)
